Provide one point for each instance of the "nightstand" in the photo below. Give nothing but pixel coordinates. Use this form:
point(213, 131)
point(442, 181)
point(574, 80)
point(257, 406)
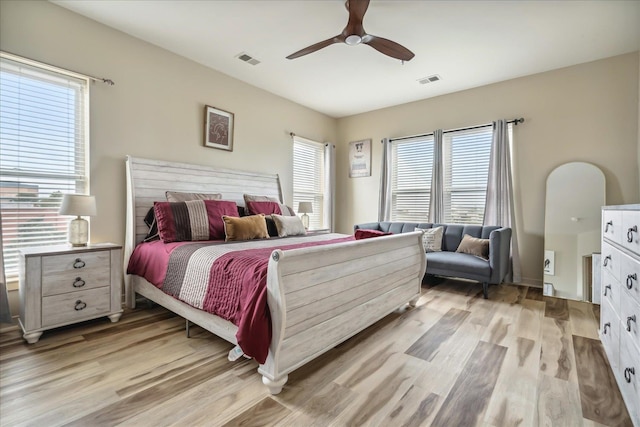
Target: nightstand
point(62, 285)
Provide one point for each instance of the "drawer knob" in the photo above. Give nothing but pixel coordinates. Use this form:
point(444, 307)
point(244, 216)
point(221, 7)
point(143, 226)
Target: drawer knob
point(606, 260)
point(607, 288)
point(629, 320)
point(80, 305)
point(632, 230)
point(78, 263)
point(78, 283)
point(606, 325)
point(606, 227)
point(628, 372)
point(630, 279)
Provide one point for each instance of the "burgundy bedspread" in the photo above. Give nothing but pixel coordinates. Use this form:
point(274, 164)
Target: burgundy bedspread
point(226, 279)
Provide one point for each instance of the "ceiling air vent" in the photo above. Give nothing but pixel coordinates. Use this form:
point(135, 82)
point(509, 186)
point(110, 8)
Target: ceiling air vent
point(429, 79)
point(247, 58)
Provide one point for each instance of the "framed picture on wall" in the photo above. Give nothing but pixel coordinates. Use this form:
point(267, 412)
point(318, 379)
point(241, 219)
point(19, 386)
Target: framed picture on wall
point(360, 158)
point(218, 129)
point(549, 263)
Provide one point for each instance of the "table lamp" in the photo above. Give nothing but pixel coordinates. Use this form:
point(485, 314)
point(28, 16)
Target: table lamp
point(305, 208)
point(78, 205)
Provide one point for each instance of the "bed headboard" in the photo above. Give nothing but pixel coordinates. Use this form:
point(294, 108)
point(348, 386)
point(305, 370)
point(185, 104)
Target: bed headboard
point(147, 181)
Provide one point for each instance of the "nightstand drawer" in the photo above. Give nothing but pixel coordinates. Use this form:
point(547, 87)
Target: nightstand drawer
point(71, 281)
point(75, 306)
point(77, 262)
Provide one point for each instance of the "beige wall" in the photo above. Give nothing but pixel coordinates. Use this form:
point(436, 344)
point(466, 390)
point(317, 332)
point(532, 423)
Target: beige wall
point(156, 108)
point(587, 113)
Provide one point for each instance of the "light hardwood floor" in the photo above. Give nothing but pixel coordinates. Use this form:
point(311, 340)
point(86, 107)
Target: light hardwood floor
point(516, 359)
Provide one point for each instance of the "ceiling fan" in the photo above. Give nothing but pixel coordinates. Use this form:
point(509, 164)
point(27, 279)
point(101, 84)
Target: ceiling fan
point(354, 34)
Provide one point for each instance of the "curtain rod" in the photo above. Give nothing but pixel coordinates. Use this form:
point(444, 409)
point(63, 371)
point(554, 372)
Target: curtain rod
point(50, 67)
point(514, 121)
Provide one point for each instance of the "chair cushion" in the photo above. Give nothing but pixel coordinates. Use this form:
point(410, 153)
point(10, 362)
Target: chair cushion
point(457, 265)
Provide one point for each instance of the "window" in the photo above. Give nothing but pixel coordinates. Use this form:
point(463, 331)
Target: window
point(412, 164)
point(466, 170)
point(43, 153)
point(308, 179)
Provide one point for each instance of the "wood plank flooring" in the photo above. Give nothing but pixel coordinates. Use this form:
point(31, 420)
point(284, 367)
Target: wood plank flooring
point(516, 359)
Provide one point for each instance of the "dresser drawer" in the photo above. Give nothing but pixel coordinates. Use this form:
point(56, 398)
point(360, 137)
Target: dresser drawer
point(611, 260)
point(630, 238)
point(75, 262)
point(629, 371)
point(75, 306)
point(610, 332)
point(630, 275)
point(629, 317)
point(611, 290)
point(71, 281)
point(612, 225)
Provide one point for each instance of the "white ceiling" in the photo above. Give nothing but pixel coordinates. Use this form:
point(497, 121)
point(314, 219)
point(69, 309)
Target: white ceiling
point(468, 43)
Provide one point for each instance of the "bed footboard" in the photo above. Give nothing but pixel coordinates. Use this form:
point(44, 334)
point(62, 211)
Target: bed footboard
point(320, 296)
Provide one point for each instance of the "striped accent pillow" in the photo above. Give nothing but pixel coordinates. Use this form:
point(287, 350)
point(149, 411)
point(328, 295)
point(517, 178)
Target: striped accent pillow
point(193, 220)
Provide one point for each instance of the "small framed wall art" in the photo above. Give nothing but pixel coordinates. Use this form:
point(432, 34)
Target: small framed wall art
point(360, 158)
point(218, 129)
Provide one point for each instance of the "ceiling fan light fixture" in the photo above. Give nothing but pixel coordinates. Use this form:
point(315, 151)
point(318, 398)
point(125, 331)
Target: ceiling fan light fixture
point(353, 40)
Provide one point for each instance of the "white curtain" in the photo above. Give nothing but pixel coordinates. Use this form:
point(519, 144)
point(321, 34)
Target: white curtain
point(5, 313)
point(329, 185)
point(499, 206)
point(436, 197)
point(384, 209)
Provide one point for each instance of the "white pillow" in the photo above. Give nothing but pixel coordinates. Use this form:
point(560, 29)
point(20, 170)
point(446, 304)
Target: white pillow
point(288, 225)
point(432, 238)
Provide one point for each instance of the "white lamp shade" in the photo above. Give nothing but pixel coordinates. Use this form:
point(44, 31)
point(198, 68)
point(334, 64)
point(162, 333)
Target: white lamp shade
point(78, 204)
point(305, 207)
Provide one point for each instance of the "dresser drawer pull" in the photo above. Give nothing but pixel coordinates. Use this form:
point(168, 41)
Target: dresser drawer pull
point(607, 288)
point(630, 279)
point(628, 372)
point(78, 263)
point(80, 305)
point(606, 325)
point(632, 230)
point(606, 227)
point(78, 283)
point(629, 320)
point(606, 260)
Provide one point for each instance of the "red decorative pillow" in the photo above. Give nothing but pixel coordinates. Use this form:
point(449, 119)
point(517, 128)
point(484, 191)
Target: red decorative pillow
point(367, 234)
point(266, 208)
point(193, 220)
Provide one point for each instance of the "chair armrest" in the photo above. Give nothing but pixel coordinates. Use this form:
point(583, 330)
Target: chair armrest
point(367, 226)
point(499, 254)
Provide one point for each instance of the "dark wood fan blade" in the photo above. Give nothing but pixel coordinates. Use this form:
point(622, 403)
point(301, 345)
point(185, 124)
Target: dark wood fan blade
point(357, 9)
point(314, 47)
point(388, 47)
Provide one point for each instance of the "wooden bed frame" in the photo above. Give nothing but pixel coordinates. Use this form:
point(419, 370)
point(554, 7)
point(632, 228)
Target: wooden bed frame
point(318, 296)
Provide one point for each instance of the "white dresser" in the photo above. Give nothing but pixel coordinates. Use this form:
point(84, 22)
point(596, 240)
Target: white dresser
point(620, 307)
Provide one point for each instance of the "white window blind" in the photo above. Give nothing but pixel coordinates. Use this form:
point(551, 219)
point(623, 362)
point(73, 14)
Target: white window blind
point(466, 169)
point(412, 165)
point(308, 178)
point(43, 154)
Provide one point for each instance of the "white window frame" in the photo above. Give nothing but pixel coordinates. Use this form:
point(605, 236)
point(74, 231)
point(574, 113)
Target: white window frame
point(410, 195)
point(309, 183)
point(466, 156)
point(49, 175)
